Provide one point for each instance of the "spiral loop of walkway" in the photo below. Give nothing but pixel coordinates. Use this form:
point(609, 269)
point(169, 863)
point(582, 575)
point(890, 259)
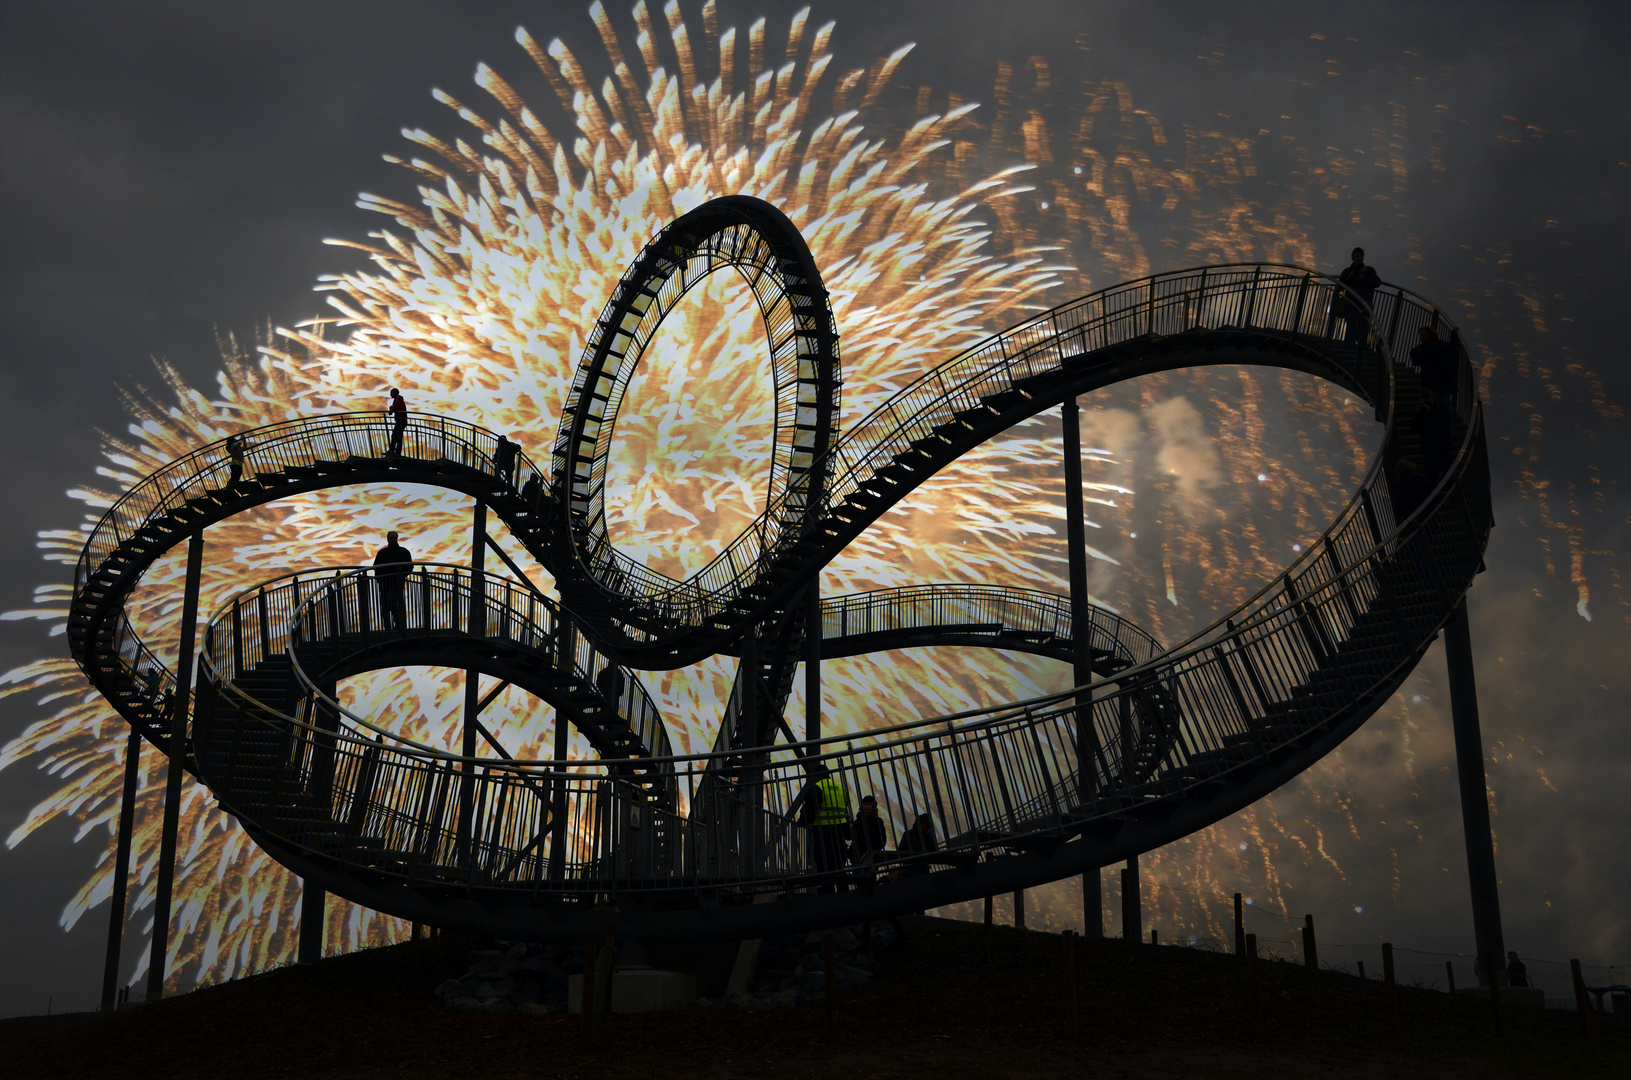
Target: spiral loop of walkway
point(678, 847)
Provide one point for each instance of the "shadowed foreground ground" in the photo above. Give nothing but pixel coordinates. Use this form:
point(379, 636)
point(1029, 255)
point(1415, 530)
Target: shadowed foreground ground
point(953, 1001)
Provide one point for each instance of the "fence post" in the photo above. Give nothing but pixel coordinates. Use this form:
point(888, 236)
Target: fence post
point(1449, 973)
point(588, 1002)
point(1019, 909)
point(988, 901)
point(831, 980)
point(1240, 928)
point(1392, 991)
point(1492, 969)
point(1254, 996)
point(1073, 1015)
point(1582, 1004)
point(1311, 958)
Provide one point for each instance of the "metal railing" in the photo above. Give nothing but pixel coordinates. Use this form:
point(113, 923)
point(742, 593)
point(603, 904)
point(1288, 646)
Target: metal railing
point(1309, 653)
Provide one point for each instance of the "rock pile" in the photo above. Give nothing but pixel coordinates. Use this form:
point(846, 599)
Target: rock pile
point(793, 972)
point(522, 978)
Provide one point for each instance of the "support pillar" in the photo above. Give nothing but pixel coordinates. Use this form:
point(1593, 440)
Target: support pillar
point(121, 872)
point(1132, 914)
point(812, 662)
point(1469, 760)
point(1092, 904)
point(158, 954)
point(313, 902)
point(475, 626)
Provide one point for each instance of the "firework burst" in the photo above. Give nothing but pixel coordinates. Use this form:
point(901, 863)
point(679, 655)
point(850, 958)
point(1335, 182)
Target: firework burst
point(934, 221)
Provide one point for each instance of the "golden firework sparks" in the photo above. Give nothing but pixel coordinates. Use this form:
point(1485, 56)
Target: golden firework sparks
point(934, 222)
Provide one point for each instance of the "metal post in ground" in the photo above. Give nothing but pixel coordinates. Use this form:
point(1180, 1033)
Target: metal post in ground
point(158, 958)
point(988, 905)
point(1073, 1016)
point(121, 872)
point(1311, 957)
point(1492, 969)
point(1019, 909)
point(830, 969)
point(1256, 998)
point(1582, 1004)
point(1469, 760)
point(1087, 750)
point(1132, 928)
point(1092, 904)
point(1449, 975)
point(1392, 991)
point(1240, 927)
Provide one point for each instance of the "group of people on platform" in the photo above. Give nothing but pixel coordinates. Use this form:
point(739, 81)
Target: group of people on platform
point(836, 840)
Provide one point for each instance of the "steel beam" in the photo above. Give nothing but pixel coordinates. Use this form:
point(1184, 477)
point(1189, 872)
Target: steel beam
point(475, 626)
point(1469, 762)
point(178, 756)
point(121, 872)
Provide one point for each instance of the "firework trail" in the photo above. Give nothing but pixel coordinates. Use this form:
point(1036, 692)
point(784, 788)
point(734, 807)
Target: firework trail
point(934, 222)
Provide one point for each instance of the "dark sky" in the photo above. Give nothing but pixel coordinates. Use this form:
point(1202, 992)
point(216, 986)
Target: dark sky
point(170, 170)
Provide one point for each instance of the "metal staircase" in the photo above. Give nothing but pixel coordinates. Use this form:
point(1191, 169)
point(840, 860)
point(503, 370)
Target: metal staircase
point(679, 847)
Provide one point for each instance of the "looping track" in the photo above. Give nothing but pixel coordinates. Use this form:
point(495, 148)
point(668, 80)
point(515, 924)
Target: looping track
point(669, 847)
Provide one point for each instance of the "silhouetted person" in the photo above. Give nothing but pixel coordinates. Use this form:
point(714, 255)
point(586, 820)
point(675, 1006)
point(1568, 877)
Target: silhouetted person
point(610, 684)
point(235, 458)
point(391, 568)
point(1410, 489)
point(825, 813)
point(871, 837)
point(504, 459)
point(399, 423)
point(918, 840)
point(1516, 973)
point(1435, 428)
point(1362, 282)
point(530, 492)
point(1436, 360)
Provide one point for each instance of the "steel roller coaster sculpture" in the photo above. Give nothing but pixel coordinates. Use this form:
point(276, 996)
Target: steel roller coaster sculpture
point(1153, 744)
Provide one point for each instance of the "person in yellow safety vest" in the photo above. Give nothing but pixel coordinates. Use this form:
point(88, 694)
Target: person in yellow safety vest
point(826, 815)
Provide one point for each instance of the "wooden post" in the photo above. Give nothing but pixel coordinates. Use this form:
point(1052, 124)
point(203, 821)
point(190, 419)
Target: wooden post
point(1311, 958)
point(1449, 974)
point(1240, 928)
point(1392, 991)
point(1019, 909)
point(1155, 936)
point(988, 901)
point(1582, 1004)
point(1492, 967)
point(588, 1003)
point(611, 969)
point(1073, 1021)
point(830, 965)
point(1255, 996)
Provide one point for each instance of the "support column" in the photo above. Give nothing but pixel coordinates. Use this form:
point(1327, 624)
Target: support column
point(1092, 904)
point(1081, 644)
point(1132, 913)
point(313, 902)
point(121, 872)
point(475, 626)
point(157, 955)
point(1469, 760)
point(812, 662)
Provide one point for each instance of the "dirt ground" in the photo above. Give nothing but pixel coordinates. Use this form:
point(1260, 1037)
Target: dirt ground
point(953, 1001)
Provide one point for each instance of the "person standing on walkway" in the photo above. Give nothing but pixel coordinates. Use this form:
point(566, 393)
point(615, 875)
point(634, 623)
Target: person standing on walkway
point(1436, 360)
point(391, 568)
point(504, 460)
point(825, 813)
point(235, 458)
point(399, 423)
point(1362, 282)
point(871, 836)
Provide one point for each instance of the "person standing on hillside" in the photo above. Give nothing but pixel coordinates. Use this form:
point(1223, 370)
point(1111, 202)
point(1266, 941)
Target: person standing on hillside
point(1362, 282)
